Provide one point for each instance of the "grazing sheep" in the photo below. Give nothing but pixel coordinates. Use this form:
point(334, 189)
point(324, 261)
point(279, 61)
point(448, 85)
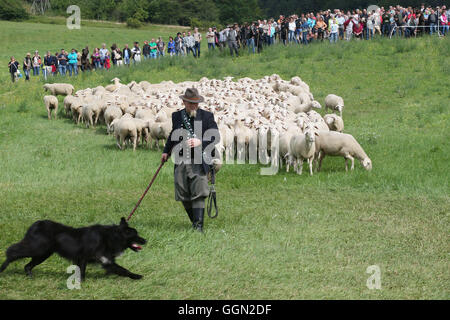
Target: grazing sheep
point(303, 147)
point(334, 143)
point(334, 122)
point(62, 89)
point(124, 129)
point(51, 103)
point(334, 103)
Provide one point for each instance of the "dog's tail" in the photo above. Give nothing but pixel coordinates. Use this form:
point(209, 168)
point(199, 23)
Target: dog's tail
point(15, 252)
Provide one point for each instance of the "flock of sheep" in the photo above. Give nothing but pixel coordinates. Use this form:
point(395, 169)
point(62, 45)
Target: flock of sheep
point(246, 111)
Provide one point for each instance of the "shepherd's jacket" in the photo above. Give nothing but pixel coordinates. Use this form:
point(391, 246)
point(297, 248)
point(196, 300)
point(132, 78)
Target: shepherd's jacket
point(207, 120)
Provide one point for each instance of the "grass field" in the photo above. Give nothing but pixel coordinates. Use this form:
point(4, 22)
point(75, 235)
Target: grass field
point(276, 237)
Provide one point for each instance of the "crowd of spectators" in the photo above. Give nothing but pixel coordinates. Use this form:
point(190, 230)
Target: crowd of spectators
point(295, 29)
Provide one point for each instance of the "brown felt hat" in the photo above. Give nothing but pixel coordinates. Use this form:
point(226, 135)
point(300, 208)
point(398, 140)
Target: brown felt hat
point(191, 95)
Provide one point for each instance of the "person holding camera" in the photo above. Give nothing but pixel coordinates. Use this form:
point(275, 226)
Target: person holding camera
point(13, 66)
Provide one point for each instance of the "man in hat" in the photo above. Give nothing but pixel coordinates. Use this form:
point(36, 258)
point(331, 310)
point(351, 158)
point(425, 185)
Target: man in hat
point(192, 140)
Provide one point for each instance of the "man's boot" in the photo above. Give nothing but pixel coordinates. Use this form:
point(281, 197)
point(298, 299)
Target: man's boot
point(188, 207)
point(199, 213)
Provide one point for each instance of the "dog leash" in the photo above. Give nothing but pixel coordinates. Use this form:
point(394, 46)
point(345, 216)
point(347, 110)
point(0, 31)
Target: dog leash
point(145, 192)
point(212, 200)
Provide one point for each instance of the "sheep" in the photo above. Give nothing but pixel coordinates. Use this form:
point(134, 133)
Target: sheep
point(142, 130)
point(303, 146)
point(334, 143)
point(67, 103)
point(334, 122)
point(145, 114)
point(87, 115)
point(306, 107)
point(75, 109)
point(51, 103)
point(226, 141)
point(62, 89)
point(284, 145)
point(90, 113)
point(335, 103)
point(111, 113)
point(243, 136)
point(113, 87)
point(124, 129)
point(160, 131)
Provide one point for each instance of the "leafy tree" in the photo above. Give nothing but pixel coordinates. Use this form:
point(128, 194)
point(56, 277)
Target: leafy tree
point(12, 10)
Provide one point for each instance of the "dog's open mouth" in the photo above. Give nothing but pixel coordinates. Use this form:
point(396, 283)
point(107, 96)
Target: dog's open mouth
point(135, 247)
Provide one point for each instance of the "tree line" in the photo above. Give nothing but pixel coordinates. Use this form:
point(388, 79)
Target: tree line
point(200, 13)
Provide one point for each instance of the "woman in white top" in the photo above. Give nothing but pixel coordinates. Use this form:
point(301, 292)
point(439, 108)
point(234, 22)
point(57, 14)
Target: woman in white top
point(292, 28)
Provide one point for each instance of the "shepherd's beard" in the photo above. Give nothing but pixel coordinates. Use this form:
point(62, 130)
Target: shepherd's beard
point(193, 113)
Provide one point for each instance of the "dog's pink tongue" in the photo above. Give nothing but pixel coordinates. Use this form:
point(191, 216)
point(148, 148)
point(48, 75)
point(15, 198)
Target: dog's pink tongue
point(136, 246)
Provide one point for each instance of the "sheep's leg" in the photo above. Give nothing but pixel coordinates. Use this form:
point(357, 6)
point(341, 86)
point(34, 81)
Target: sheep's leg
point(118, 142)
point(49, 113)
point(353, 162)
point(346, 164)
point(56, 113)
point(321, 156)
point(310, 162)
point(287, 164)
point(134, 143)
point(300, 166)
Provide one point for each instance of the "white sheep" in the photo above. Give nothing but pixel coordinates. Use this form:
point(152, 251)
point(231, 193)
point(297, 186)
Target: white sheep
point(68, 102)
point(335, 103)
point(62, 89)
point(90, 113)
point(334, 143)
point(111, 113)
point(303, 147)
point(142, 131)
point(113, 87)
point(51, 103)
point(160, 131)
point(124, 129)
point(334, 122)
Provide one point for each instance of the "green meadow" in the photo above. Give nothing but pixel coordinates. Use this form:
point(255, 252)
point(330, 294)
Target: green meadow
point(277, 237)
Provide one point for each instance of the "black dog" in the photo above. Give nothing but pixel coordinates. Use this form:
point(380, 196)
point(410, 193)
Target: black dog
point(92, 244)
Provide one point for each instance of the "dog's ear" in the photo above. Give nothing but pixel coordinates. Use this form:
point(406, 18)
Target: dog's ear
point(123, 222)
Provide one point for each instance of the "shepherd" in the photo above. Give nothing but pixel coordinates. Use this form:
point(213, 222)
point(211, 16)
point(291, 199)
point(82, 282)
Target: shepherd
point(192, 143)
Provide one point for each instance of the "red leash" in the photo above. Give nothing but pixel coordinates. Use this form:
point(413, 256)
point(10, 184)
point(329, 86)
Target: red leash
point(145, 192)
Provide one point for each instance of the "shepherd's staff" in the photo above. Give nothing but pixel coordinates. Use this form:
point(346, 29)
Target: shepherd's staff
point(146, 190)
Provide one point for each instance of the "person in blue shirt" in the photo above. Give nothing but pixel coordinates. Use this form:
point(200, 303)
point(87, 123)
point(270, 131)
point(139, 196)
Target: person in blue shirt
point(305, 31)
point(171, 47)
point(73, 61)
point(62, 62)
